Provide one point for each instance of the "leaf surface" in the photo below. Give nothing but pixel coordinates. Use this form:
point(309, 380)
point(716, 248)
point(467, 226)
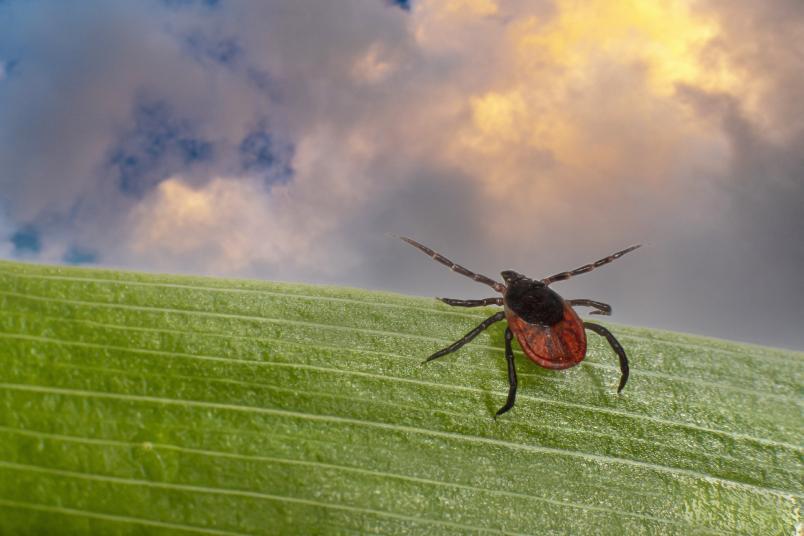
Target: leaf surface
point(134, 403)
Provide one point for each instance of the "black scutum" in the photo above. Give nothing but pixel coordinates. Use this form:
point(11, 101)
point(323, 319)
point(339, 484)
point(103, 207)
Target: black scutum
point(534, 302)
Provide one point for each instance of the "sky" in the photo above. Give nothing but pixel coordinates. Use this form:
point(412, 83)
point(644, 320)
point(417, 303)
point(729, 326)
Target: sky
point(286, 139)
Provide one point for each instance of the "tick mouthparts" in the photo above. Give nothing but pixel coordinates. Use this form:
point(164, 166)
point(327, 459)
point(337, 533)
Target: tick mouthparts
point(510, 275)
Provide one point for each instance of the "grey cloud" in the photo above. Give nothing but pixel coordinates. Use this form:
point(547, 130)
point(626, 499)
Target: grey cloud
point(749, 266)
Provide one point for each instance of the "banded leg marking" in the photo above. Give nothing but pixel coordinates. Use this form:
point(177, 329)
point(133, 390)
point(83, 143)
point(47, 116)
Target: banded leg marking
point(472, 303)
point(587, 267)
point(499, 287)
point(601, 308)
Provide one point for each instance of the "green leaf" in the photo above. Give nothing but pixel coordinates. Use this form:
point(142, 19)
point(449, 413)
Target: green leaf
point(135, 403)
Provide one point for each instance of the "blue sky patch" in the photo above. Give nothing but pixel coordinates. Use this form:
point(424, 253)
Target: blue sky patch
point(8, 68)
point(225, 51)
point(263, 81)
point(261, 152)
point(26, 240)
point(80, 255)
point(158, 146)
point(256, 151)
point(404, 4)
point(194, 150)
point(187, 3)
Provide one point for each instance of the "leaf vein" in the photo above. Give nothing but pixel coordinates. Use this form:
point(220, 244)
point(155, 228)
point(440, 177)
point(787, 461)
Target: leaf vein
point(435, 308)
point(241, 493)
point(368, 331)
point(370, 472)
point(522, 396)
point(399, 428)
point(115, 517)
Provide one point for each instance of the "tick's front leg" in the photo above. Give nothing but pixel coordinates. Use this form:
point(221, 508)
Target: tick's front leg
point(600, 307)
point(472, 303)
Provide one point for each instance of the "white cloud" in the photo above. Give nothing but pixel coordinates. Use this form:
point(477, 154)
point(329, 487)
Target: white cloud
point(218, 227)
point(373, 66)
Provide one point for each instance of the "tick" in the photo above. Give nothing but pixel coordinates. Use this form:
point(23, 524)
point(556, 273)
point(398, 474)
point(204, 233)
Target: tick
point(545, 324)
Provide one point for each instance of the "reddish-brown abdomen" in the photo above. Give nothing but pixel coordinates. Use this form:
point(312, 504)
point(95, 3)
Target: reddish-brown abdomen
point(559, 346)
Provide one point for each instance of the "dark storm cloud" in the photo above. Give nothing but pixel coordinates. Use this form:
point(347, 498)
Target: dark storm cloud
point(767, 168)
point(749, 265)
point(432, 206)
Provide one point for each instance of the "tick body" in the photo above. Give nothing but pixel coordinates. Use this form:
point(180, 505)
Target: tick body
point(545, 325)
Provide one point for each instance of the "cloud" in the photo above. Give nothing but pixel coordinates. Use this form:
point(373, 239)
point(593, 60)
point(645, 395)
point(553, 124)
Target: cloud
point(156, 146)
point(284, 139)
point(217, 227)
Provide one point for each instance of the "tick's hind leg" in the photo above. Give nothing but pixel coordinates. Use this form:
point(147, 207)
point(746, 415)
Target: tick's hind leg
point(472, 303)
point(600, 307)
point(600, 330)
point(468, 337)
point(509, 357)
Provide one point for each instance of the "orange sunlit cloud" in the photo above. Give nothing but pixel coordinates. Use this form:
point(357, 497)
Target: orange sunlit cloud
point(571, 104)
point(592, 86)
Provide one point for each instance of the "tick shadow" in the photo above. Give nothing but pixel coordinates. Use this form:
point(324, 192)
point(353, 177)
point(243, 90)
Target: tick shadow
point(593, 378)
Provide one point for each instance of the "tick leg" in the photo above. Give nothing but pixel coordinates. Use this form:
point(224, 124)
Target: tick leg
point(600, 330)
point(468, 337)
point(587, 267)
point(509, 357)
point(499, 287)
point(601, 308)
point(472, 303)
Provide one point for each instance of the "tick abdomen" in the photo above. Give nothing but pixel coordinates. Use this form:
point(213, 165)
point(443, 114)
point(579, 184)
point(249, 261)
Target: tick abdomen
point(560, 346)
point(546, 327)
